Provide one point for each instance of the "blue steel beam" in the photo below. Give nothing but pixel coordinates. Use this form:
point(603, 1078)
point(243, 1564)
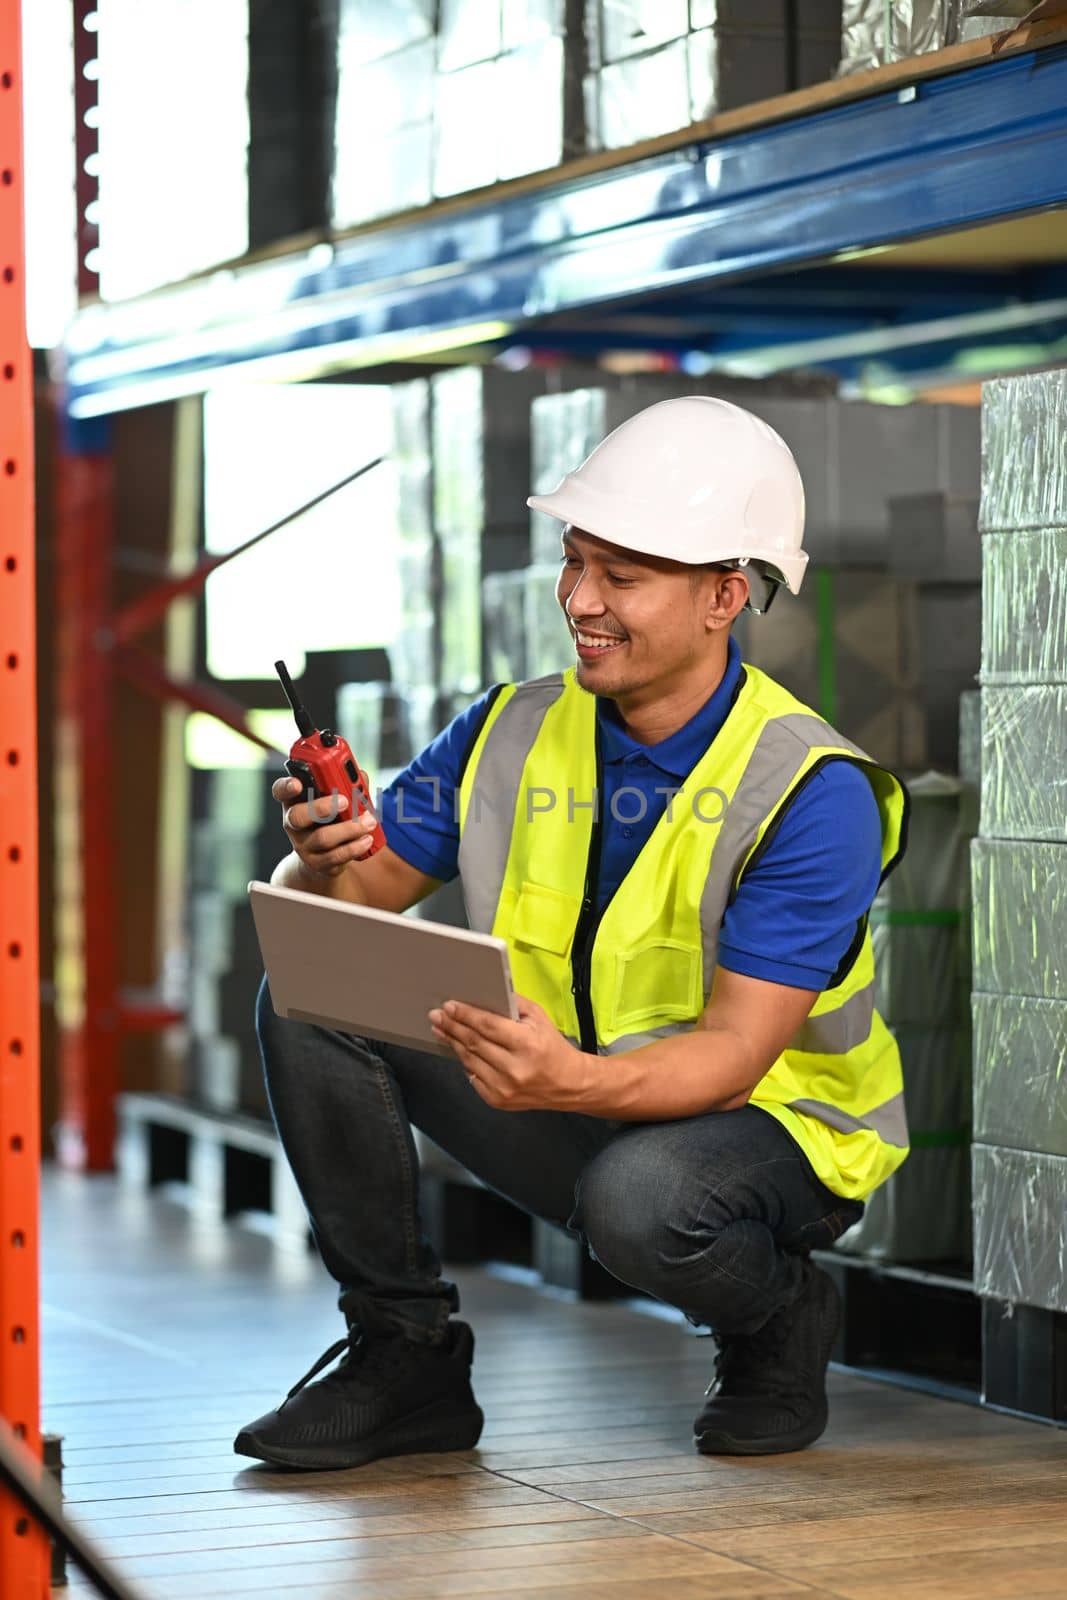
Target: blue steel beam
point(945, 153)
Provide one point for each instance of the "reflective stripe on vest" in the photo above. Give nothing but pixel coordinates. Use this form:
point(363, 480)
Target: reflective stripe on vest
point(768, 748)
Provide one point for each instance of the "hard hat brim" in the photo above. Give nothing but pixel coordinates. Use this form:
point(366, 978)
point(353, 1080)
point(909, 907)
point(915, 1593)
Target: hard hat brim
point(571, 506)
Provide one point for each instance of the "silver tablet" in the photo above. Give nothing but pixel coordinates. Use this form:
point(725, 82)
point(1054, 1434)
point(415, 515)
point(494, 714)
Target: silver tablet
point(372, 973)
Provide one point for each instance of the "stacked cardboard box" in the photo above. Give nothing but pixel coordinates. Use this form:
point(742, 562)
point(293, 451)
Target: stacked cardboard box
point(481, 445)
point(920, 932)
point(508, 94)
point(386, 63)
point(657, 65)
point(439, 97)
point(934, 543)
point(1020, 860)
point(854, 458)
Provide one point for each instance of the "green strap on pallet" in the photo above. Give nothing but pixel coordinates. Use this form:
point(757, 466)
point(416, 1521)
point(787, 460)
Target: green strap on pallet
point(824, 645)
point(940, 1139)
point(888, 917)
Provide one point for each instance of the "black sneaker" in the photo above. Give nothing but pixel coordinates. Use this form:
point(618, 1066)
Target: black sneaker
point(388, 1397)
point(769, 1391)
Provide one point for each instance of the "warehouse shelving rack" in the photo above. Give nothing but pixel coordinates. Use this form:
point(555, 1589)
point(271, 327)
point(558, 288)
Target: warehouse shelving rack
point(23, 1551)
point(824, 228)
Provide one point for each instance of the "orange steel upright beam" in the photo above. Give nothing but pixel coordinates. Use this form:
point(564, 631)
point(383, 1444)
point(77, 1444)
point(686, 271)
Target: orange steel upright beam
point(23, 1550)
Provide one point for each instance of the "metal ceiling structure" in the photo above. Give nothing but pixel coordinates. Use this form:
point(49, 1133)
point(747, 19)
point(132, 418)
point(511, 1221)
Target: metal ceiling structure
point(740, 249)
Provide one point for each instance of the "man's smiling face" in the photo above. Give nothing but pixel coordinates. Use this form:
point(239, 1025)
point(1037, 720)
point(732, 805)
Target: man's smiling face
point(640, 623)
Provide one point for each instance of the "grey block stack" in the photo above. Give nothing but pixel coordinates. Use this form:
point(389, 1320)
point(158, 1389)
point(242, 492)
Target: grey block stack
point(386, 64)
point(920, 932)
point(934, 543)
point(481, 451)
point(508, 94)
point(854, 457)
point(1019, 863)
point(657, 65)
point(235, 836)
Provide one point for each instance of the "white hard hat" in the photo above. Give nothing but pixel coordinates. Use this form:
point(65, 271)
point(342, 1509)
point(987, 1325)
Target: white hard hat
point(695, 479)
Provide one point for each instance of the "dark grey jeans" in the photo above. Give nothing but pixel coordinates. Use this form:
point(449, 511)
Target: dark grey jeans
point(709, 1214)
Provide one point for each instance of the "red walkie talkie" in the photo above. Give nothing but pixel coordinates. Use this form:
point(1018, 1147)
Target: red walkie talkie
point(324, 764)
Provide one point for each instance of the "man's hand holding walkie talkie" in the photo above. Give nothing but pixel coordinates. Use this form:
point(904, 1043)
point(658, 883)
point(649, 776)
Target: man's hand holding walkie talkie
point(326, 798)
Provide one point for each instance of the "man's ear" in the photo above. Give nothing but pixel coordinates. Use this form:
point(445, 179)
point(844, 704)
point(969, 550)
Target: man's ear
point(726, 600)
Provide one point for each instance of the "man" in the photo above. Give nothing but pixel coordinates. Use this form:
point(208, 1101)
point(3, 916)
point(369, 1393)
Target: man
point(681, 858)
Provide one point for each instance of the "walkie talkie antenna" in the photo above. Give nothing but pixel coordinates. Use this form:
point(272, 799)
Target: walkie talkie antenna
point(300, 712)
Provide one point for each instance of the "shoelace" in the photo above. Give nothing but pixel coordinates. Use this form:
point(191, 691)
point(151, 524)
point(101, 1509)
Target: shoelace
point(362, 1352)
point(324, 1361)
point(748, 1357)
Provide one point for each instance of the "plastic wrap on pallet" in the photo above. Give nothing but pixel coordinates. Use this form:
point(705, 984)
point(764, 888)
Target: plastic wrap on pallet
point(417, 568)
point(1024, 606)
point(1024, 763)
point(524, 22)
point(481, 447)
point(421, 706)
point(917, 919)
point(1020, 1068)
point(970, 756)
point(521, 112)
point(970, 765)
point(235, 798)
point(413, 652)
point(460, 619)
point(386, 106)
point(564, 428)
point(371, 717)
point(1020, 918)
point(916, 26)
point(369, 30)
point(1020, 1227)
point(410, 408)
point(549, 647)
point(923, 1213)
point(1024, 452)
point(467, 31)
point(616, 29)
point(543, 121)
point(504, 626)
point(681, 82)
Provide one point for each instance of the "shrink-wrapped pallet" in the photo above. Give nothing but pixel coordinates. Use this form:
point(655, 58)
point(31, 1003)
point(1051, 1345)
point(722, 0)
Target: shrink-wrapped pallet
point(915, 27)
point(1024, 452)
point(923, 1212)
point(1020, 1068)
point(1020, 918)
point(1024, 605)
point(1024, 763)
point(917, 920)
point(1020, 1226)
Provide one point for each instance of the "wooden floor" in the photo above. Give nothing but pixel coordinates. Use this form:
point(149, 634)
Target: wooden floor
point(163, 1335)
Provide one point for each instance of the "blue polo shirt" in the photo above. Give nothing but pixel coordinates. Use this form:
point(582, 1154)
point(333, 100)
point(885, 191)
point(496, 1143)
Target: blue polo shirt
point(796, 911)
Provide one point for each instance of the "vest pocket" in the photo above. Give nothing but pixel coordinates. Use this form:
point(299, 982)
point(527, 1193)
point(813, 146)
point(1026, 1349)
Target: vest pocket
point(658, 982)
point(544, 918)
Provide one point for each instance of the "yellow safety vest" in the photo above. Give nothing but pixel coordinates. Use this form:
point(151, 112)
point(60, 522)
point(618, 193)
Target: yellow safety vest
point(644, 968)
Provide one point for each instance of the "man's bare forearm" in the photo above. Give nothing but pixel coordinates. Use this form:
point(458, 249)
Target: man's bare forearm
point(291, 873)
point(685, 1075)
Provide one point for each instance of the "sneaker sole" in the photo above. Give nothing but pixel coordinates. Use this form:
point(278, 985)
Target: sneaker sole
point(725, 1444)
point(431, 1430)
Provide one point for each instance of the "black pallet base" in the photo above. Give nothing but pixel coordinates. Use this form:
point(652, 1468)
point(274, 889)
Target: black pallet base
point(909, 1322)
point(226, 1164)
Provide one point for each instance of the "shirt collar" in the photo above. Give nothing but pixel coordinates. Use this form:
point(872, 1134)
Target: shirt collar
point(678, 754)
